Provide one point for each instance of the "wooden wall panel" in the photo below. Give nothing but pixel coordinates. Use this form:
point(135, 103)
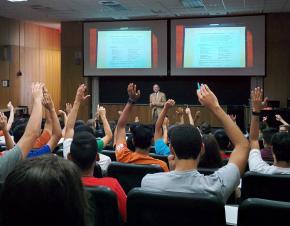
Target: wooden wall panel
point(40, 60)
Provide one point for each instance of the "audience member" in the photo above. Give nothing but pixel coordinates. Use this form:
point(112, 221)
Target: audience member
point(45, 191)
point(142, 136)
point(267, 135)
point(186, 146)
point(84, 150)
point(211, 157)
point(280, 142)
point(223, 142)
point(9, 160)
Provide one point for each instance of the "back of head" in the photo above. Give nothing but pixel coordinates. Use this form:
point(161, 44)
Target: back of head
point(281, 146)
point(18, 131)
point(268, 134)
point(84, 128)
point(43, 191)
point(186, 141)
point(79, 123)
point(84, 150)
point(211, 157)
point(205, 128)
point(142, 136)
point(222, 139)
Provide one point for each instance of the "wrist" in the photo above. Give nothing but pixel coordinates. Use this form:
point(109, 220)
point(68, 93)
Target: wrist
point(131, 101)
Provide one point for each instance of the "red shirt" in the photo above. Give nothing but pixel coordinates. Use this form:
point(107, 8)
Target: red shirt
point(224, 155)
point(114, 185)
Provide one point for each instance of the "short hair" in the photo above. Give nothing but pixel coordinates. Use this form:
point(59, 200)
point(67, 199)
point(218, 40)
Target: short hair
point(84, 150)
point(79, 123)
point(186, 141)
point(205, 128)
point(142, 136)
point(222, 139)
point(281, 146)
point(268, 134)
point(84, 128)
point(18, 131)
point(47, 185)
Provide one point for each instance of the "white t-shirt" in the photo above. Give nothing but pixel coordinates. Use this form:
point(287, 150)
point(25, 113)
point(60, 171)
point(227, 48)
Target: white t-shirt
point(220, 184)
point(104, 161)
point(256, 164)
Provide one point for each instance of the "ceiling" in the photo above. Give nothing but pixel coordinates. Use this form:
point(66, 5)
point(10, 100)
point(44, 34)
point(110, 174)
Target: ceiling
point(81, 10)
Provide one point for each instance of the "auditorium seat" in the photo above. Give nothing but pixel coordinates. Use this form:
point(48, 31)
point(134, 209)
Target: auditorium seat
point(131, 175)
point(98, 171)
point(104, 206)
point(110, 153)
point(273, 187)
point(256, 212)
point(145, 207)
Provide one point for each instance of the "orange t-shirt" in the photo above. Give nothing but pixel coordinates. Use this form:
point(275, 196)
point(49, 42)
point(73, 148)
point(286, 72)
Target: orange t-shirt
point(42, 140)
point(123, 154)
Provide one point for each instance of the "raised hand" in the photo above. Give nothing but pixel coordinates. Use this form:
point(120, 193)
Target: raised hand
point(120, 112)
point(257, 99)
point(68, 107)
point(197, 114)
point(102, 111)
point(61, 112)
point(81, 93)
point(37, 90)
point(3, 121)
point(279, 118)
point(207, 98)
point(10, 106)
point(187, 111)
point(47, 102)
point(265, 118)
point(169, 104)
point(233, 117)
point(133, 93)
point(136, 119)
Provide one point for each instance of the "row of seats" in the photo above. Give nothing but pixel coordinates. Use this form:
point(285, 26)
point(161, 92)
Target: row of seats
point(171, 209)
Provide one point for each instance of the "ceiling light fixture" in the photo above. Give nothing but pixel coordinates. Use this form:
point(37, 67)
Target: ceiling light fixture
point(17, 0)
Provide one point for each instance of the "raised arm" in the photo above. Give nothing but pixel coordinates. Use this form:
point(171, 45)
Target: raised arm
point(64, 116)
point(56, 129)
point(257, 105)
point(80, 96)
point(134, 95)
point(180, 116)
point(241, 151)
point(188, 112)
point(280, 119)
point(108, 132)
point(48, 121)
point(11, 116)
point(32, 130)
point(159, 123)
point(4, 127)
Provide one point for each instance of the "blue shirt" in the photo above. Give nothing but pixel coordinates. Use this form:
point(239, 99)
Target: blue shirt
point(161, 148)
point(38, 152)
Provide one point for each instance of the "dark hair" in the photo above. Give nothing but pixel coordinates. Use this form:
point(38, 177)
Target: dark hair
point(19, 121)
point(84, 128)
point(45, 191)
point(84, 150)
point(268, 134)
point(222, 139)
point(130, 143)
point(205, 128)
point(211, 157)
point(281, 146)
point(18, 131)
point(186, 141)
point(79, 123)
point(142, 136)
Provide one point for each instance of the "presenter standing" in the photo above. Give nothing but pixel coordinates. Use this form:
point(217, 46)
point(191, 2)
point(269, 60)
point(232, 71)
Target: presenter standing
point(157, 101)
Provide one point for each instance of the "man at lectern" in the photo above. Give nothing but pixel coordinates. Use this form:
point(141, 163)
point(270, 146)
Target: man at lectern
point(157, 101)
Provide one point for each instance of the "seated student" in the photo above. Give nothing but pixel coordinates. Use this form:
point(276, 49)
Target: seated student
point(83, 153)
point(186, 147)
point(211, 157)
point(71, 124)
point(280, 143)
point(267, 135)
point(142, 137)
point(223, 142)
point(161, 147)
point(44, 191)
point(9, 160)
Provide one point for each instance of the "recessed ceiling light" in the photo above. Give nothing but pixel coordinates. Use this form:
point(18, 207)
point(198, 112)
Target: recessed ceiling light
point(17, 0)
